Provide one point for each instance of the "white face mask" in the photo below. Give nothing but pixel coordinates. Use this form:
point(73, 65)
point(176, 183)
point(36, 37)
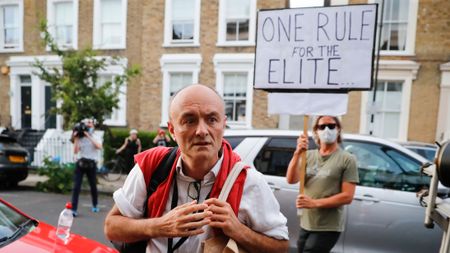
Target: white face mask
point(327, 136)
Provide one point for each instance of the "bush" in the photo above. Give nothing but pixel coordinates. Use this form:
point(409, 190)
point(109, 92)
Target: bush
point(115, 137)
point(60, 176)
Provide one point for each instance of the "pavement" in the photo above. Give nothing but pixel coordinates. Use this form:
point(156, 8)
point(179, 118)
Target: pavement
point(103, 186)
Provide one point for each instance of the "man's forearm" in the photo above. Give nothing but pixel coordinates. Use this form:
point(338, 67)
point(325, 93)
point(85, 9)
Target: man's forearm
point(255, 242)
point(124, 229)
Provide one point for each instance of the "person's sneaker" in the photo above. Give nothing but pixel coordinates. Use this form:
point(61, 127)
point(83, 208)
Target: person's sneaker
point(95, 209)
point(74, 213)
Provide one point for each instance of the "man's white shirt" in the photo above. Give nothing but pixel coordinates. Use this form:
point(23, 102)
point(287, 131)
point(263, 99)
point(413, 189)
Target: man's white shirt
point(258, 210)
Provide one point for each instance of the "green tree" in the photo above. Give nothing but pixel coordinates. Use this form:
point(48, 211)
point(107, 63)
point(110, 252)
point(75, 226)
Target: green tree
point(76, 83)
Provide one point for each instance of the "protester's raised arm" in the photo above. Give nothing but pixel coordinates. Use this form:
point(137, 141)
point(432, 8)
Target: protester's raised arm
point(292, 173)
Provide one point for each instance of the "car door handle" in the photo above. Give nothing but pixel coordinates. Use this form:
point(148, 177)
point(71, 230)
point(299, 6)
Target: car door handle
point(273, 186)
point(366, 197)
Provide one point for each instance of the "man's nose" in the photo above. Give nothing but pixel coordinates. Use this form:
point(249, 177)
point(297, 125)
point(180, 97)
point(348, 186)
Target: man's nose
point(202, 128)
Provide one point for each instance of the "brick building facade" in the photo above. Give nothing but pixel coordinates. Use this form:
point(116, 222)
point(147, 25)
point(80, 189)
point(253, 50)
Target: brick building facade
point(213, 42)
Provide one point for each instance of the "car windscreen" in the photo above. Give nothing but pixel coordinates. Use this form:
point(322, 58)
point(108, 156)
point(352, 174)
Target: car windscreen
point(13, 225)
point(234, 140)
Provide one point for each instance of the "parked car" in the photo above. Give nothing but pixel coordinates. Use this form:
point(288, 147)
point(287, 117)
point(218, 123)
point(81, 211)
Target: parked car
point(22, 233)
point(14, 161)
point(385, 215)
point(424, 149)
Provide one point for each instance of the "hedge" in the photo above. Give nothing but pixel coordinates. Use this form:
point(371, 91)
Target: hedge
point(114, 138)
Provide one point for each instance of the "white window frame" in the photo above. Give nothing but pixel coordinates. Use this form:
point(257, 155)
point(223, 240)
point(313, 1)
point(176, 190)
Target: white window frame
point(443, 120)
point(19, 48)
point(236, 63)
point(51, 22)
point(176, 63)
point(168, 42)
point(221, 37)
point(97, 40)
point(393, 70)
point(114, 70)
point(410, 30)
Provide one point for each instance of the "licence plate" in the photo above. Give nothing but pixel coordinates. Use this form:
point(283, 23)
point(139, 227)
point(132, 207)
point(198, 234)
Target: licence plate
point(16, 159)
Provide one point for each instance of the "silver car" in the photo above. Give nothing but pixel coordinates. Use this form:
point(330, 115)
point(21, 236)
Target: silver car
point(385, 215)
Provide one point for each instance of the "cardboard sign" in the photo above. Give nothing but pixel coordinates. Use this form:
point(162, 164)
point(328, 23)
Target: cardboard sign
point(325, 49)
point(307, 104)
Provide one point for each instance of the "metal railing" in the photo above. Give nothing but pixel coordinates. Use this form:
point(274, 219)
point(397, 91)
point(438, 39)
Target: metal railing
point(56, 148)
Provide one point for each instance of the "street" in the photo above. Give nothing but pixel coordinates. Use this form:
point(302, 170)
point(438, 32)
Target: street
point(47, 206)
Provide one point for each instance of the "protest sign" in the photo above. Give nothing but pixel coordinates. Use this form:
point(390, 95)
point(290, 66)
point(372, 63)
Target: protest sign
point(325, 49)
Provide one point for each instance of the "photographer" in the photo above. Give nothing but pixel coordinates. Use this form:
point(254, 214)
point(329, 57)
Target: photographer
point(87, 145)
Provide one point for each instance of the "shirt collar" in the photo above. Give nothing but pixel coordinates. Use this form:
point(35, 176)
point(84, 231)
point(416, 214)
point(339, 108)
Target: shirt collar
point(210, 176)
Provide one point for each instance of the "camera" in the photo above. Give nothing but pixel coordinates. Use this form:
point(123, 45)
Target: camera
point(80, 128)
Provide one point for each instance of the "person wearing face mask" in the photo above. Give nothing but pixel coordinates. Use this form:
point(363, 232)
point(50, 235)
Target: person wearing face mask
point(331, 178)
point(87, 149)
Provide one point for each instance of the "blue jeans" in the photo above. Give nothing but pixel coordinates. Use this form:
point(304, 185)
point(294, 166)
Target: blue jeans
point(88, 167)
point(316, 241)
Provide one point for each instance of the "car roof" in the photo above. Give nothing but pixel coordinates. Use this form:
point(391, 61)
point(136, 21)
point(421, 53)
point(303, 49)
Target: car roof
point(418, 144)
point(290, 133)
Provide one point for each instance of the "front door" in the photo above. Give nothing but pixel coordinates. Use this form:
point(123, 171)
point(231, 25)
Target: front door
point(50, 118)
point(25, 106)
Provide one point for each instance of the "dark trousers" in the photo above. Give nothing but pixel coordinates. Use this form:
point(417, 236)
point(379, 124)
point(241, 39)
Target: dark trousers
point(88, 167)
point(316, 241)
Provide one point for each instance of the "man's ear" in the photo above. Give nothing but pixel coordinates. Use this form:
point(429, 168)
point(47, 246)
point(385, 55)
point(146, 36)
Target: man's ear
point(171, 130)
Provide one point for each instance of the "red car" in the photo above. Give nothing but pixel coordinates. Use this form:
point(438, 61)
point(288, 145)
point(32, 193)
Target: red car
point(22, 233)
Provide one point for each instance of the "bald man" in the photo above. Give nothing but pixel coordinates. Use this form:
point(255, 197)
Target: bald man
point(186, 204)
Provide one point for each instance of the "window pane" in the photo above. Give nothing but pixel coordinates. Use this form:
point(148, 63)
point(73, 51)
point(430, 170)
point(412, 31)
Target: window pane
point(391, 124)
point(63, 13)
point(238, 8)
point(395, 22)
point(25, 79)
point(10, 15)
point(237, 30)
point(183, 12)
point(388, 106)
point(183, 9)
point(183, 30)
point(393, 96)
point(63, 22)
point(179, 80)
point(243, 30)
point(235, 93)
point(231, 30)
point(111, 34)
point(64, 35)
point(11, 36)
point(11, 24)
point(111, 11)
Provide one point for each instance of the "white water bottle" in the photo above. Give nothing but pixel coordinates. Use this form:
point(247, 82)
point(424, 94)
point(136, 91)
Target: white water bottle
point(65, 223)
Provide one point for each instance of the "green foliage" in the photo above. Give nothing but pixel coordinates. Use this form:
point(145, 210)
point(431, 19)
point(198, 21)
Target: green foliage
point(117, 136)
point(59, 176)
point(77, 85)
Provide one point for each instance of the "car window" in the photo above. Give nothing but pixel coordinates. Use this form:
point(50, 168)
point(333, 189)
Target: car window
point(234, 140)
point(274, 157)
point(384, 167)
point(425, 152)
point(11, 223)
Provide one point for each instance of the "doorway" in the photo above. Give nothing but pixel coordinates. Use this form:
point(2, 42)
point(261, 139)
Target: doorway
point(25, 100)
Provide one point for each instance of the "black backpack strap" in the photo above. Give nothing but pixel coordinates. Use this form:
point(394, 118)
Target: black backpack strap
point(160, 174)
